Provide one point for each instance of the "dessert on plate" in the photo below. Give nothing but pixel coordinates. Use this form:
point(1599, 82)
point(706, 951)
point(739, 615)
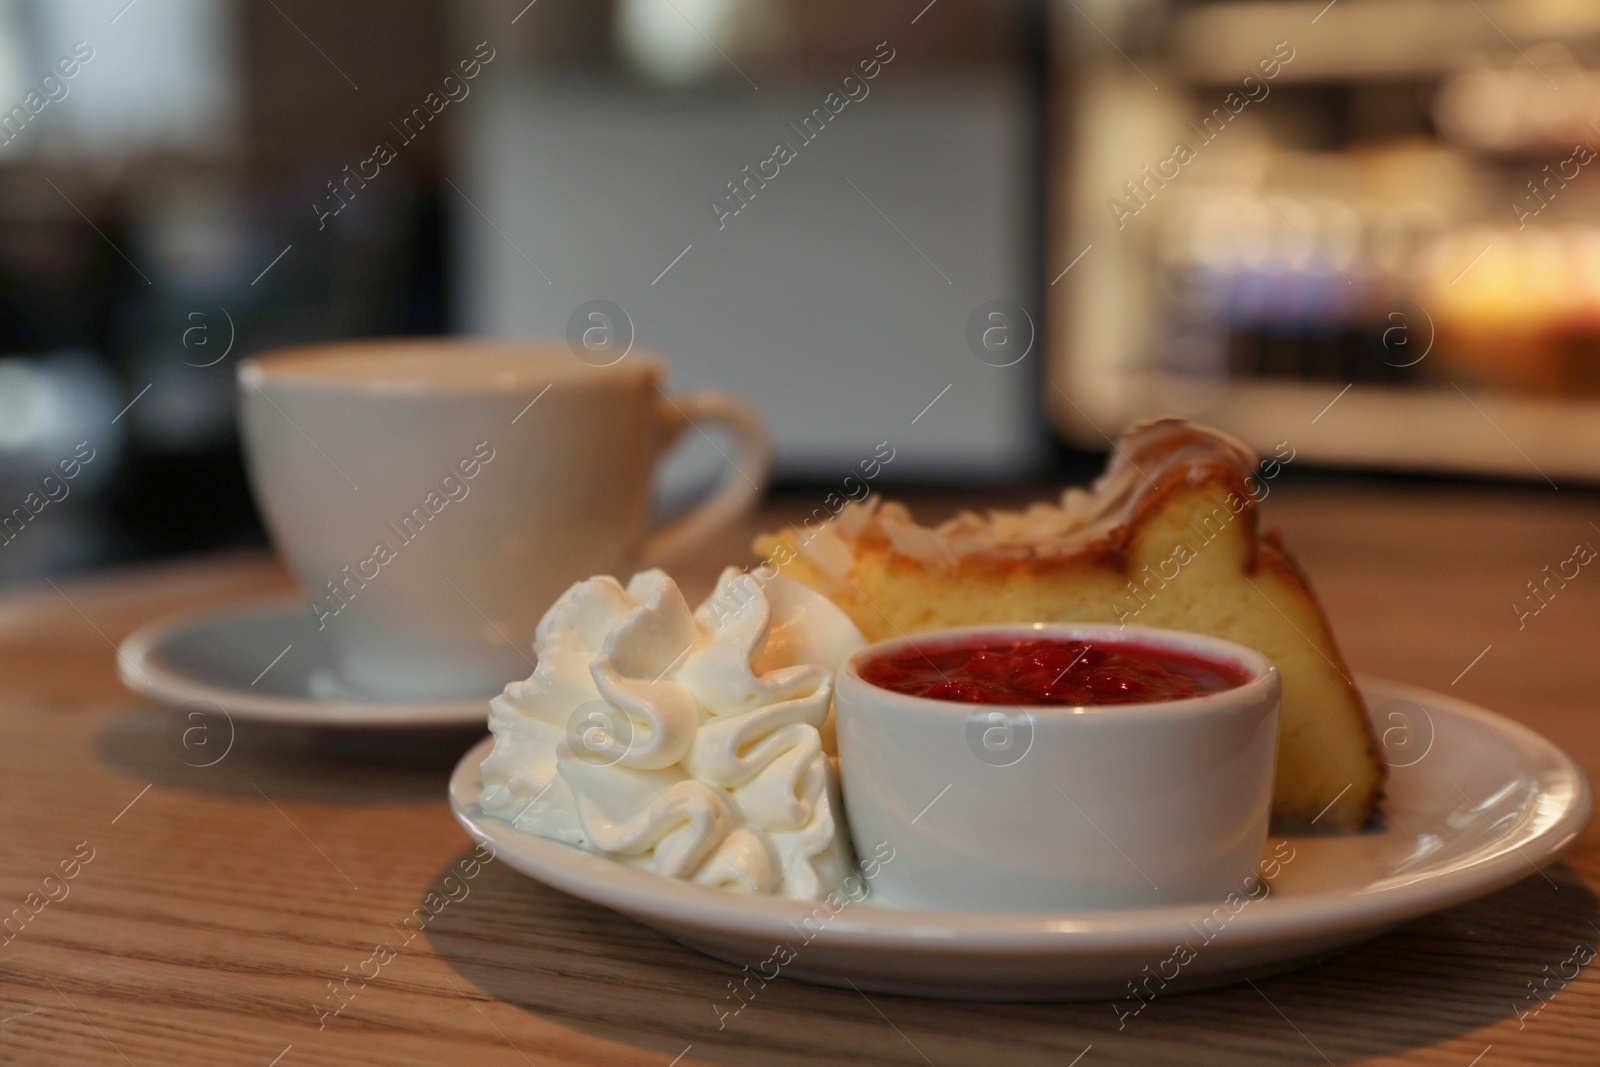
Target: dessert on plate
point(1167, 537)
point(695, 744)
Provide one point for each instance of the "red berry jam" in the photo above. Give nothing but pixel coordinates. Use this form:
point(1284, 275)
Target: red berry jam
point(1049, 672)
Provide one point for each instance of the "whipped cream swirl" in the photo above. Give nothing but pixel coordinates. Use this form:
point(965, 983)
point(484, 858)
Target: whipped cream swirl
point(693, 744)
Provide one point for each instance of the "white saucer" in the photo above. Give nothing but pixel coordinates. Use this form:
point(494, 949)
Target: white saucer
point(224, 658)
point(1487, 804)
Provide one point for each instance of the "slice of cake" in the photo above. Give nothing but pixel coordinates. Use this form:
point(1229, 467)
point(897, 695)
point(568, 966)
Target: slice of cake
point(1166, 537)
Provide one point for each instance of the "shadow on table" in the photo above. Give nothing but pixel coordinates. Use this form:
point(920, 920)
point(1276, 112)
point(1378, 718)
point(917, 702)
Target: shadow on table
point(211, 753)
point(1440, 977)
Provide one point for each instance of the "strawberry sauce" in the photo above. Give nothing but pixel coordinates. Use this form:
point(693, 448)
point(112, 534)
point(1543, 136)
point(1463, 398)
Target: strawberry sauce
point(1049, 672)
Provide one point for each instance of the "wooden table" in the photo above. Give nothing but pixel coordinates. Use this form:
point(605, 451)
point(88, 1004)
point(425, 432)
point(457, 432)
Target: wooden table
point(221, 901)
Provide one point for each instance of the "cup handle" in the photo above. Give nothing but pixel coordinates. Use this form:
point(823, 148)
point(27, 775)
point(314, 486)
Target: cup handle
point(741, 484)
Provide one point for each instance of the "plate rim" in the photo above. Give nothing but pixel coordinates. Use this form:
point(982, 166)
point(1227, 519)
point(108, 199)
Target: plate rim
point(140, 670)
point(653, 898)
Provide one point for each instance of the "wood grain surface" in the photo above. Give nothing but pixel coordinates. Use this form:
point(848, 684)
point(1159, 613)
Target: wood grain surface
point(219, 902)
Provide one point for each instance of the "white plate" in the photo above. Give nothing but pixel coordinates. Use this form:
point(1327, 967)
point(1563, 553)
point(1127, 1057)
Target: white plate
point(1480, 802)
point(224, 659)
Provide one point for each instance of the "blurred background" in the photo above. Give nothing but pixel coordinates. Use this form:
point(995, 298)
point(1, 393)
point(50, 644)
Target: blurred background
point(1002, 229)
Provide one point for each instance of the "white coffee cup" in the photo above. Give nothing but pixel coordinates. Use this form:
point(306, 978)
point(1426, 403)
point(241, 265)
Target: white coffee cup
point(436, 495)
point(1055, 808)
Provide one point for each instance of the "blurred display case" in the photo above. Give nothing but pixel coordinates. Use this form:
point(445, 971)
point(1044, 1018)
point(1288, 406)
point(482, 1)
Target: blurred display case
point(1368, 227)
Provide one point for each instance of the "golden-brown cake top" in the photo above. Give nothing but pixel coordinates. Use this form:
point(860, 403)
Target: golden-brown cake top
point(1152, 460)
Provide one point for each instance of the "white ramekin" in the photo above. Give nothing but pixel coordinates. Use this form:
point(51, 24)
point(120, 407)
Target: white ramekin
point(1049, 808)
